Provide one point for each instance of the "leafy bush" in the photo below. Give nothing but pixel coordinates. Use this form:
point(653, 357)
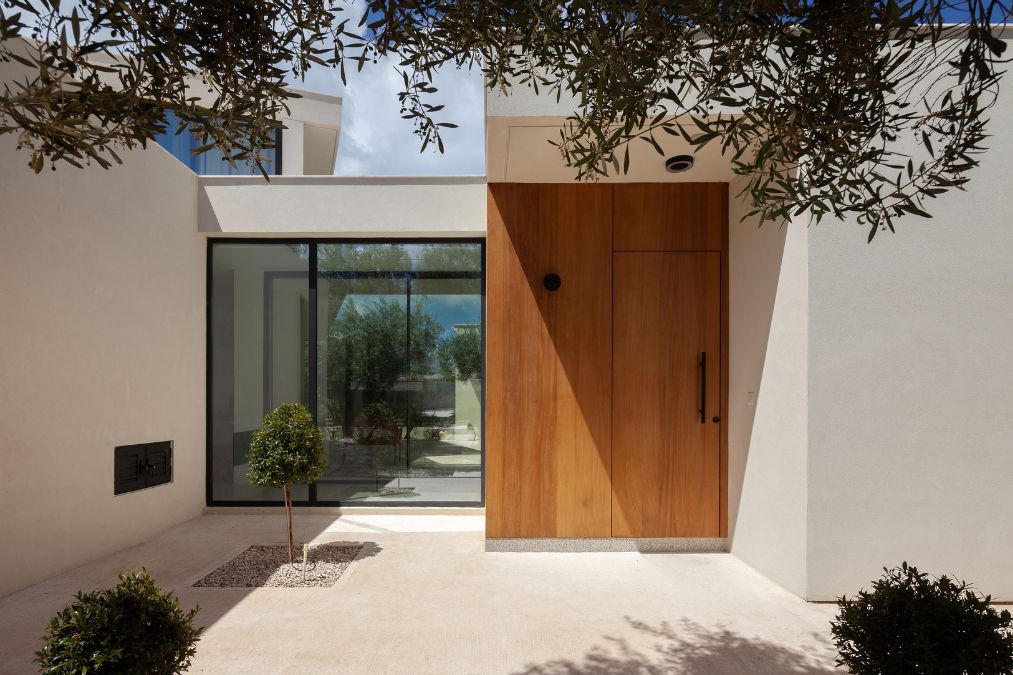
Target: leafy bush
point(131, 628)
point(460, 356)
point(375, 425)
point(287, 449)
point(913, 623)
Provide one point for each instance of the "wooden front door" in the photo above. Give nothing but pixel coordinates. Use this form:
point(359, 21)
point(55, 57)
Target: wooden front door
point(666, 394)
point(548, 363)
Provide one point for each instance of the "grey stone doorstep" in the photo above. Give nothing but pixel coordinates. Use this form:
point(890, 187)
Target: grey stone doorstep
point(610, 545)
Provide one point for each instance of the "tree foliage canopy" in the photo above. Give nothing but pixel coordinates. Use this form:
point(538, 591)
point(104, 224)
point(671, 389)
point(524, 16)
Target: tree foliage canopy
point(368, 344)
point(460, 355)
point(861, 108)
point(287, 449)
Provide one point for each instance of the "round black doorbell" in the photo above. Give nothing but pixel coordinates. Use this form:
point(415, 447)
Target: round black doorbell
point(552, 281)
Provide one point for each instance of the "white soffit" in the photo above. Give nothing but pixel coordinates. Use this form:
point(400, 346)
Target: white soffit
point(320, 149)
point(518, 151)
point(316, 108)
point(337, 205)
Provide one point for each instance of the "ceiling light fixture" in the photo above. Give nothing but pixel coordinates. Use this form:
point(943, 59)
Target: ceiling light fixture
point(679, 163)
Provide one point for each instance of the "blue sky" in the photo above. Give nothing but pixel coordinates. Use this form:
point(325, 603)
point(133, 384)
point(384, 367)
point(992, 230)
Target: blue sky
point(375, 140)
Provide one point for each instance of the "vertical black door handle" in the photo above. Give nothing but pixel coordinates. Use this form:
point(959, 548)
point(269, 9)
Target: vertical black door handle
point(703, 387)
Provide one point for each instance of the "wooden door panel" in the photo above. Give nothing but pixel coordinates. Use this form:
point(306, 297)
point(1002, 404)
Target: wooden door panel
point(669, 216)
point(665, 461)
point(548, 355)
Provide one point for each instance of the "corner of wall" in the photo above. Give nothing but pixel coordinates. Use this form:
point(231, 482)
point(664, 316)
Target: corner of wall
point(768, 395)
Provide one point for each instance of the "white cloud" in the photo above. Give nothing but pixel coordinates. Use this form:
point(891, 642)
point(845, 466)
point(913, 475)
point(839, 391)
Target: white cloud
point(376, 141)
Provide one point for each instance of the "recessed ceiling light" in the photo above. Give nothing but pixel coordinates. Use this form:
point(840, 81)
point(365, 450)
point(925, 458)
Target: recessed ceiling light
point(679, 163)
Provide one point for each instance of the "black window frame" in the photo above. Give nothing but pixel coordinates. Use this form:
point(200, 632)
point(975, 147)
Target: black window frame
point(312, 243)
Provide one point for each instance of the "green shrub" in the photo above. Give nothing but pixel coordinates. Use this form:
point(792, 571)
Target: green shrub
point(375, 424)
point(287, 449)
point(913, 623)
point(131, 628)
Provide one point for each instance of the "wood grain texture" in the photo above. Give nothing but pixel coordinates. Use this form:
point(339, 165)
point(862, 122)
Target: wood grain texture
point(548, 356)
point(669, 216)
point(723, 486)
point(665, 462)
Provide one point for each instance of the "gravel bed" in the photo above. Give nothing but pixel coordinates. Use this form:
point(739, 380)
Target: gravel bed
point(268, 566)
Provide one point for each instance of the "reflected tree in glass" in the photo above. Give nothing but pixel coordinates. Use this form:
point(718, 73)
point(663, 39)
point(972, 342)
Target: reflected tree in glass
point(368, 349)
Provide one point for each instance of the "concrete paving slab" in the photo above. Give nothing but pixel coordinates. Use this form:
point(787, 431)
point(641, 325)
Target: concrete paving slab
point(432, 600)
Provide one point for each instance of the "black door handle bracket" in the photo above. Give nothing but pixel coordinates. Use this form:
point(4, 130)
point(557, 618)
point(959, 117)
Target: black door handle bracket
point(703, 388)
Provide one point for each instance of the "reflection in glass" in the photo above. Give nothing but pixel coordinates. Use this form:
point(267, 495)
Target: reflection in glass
point(212, 162)
point(259, 354)
point(396, 358)
point(401, 418)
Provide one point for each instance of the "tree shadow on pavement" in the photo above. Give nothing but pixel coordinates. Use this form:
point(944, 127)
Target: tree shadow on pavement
point(691, 648)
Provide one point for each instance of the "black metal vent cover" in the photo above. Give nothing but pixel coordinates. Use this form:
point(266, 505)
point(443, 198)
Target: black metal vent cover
point(140, 466)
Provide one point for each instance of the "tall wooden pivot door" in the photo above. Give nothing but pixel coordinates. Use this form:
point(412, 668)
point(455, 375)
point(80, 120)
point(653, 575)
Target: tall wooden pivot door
point(601, 302)
point(548, 361)
point(666, 393)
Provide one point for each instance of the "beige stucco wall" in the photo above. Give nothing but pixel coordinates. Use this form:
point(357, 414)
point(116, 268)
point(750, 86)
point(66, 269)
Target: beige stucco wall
point(768, 285)
point(370, 206)
point(911, 388)
point(102, 334)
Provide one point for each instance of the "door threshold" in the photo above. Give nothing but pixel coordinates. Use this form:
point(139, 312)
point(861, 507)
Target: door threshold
point(348, 510)
point(610, 545)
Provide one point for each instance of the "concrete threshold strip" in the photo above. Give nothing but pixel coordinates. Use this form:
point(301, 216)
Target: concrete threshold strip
point(610, 545)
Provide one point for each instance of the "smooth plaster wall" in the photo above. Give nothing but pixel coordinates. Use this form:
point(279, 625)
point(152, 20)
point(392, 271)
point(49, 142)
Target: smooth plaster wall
point(339, 206)
point(767, 395)
point(911, 388)
point(102, 331)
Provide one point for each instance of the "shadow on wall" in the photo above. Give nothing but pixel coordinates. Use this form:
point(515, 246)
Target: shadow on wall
point(568, 231)
point(756, 255)
point(691, 648)
point(554, 346)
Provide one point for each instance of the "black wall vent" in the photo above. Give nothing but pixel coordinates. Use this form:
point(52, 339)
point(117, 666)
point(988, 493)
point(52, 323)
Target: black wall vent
point(140, 466)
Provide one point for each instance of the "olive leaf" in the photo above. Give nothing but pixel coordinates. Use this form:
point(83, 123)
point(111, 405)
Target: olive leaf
point(819, 105)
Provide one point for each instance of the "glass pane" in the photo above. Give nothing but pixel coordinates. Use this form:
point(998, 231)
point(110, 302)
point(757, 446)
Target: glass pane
point(444, 453)
point(400, 424)
point(442, 259)
point(211, 162)
point(361, 362)
point(259, 354)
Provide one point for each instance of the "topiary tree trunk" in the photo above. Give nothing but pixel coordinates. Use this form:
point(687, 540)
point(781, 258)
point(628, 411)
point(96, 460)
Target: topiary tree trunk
point(288, 449)
point(288, 514)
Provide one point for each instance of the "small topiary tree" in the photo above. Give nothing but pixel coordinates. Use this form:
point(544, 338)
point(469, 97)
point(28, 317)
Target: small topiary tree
point(288, 449)
point(131, 628)
point(913, 623)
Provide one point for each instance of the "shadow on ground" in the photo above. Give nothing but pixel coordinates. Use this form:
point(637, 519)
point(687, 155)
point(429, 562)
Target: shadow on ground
point(217, 601)
point(690, 648)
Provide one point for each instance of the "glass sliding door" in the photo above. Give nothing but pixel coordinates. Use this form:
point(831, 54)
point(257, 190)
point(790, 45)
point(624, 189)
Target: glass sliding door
point(362, 361)
point(396, 360)
point(444, 444)
point(259, 354)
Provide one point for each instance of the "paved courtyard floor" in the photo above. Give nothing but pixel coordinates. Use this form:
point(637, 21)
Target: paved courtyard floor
point(431, 600)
